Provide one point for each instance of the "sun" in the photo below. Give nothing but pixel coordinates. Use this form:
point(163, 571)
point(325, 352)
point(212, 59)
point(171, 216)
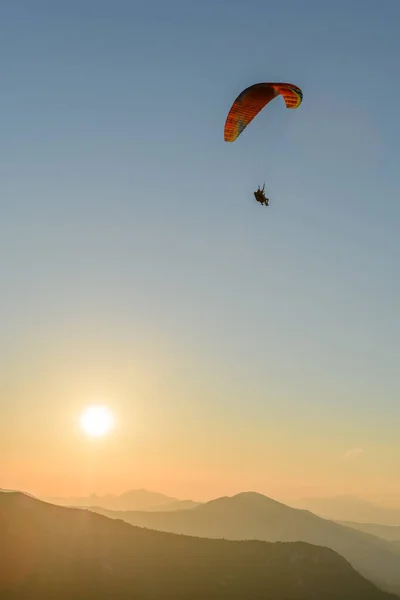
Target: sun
point(96, 421)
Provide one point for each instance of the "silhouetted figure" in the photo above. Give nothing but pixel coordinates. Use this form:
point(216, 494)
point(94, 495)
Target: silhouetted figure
point(260, 196)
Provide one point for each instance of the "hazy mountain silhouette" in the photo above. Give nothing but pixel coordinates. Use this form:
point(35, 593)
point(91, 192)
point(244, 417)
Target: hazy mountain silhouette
point(6, 491)
point(52, 552)
point(253, 516)
point(386, 532)
point(388, 499)
point(348, 508)
point(130, 500)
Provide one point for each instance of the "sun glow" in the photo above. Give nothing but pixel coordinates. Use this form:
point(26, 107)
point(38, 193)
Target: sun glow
point(96, 421)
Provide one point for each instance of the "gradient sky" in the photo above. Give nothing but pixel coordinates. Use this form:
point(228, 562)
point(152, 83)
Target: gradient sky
point(240, 347)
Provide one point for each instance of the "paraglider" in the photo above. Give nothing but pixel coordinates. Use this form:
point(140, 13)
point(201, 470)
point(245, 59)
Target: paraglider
point(261, 197)
point(247, 106)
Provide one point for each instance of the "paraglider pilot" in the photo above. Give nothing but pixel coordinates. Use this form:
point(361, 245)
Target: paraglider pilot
point(260, 196)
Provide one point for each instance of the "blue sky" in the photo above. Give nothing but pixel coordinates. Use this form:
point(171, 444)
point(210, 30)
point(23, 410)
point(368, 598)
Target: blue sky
point(129, 228)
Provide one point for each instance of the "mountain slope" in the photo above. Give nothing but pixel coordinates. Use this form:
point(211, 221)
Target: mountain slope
point(348, 508)
point(130, 500)
point(386, 532)
point(52, 552)
point(253, 516)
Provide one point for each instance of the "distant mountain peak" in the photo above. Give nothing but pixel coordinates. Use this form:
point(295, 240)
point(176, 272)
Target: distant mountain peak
point(257, 496)
point(245, 501)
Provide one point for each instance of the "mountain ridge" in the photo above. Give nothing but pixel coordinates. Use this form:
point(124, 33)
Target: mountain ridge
point(250, 515)
point(135, 499)
point(48, 551)
point(350, 508)
point(386, 532)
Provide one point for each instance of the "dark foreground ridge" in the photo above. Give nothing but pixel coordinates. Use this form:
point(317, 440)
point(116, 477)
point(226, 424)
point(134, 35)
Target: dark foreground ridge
point(48, 551)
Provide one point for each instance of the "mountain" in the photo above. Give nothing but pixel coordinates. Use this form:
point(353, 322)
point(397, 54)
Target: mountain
point(386, 532)
point(6, 491)
point(131, 500)
point(254, 516)
point(388, 499)
point(52, 552)
point(349, 508)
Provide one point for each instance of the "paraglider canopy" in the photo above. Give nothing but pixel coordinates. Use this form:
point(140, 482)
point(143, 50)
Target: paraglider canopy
point(253, 99)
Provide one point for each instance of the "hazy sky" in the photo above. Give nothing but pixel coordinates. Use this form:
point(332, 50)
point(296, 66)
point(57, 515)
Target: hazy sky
point(241, 347)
